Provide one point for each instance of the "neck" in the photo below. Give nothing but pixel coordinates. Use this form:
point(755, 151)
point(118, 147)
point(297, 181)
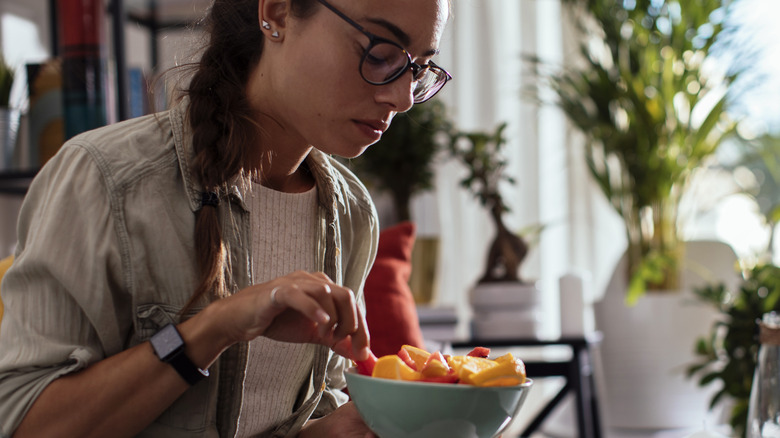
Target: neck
point(283, 151)
point(285, 173)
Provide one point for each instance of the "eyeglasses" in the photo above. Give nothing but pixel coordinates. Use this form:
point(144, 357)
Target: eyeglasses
point(384, 61)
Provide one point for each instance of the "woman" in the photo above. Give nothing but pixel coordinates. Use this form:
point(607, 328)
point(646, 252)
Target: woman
point(218, 237)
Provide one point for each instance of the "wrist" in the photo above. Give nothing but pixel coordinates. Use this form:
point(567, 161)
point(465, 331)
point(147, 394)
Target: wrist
point(204, 337)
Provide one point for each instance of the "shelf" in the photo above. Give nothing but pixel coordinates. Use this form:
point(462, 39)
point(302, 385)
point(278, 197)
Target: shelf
point(16, 182)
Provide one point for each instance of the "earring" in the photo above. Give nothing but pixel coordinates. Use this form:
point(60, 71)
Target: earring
point(275, 34)
point(266, 25)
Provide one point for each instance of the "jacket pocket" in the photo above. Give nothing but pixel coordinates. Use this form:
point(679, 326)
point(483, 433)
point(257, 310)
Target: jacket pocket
point(195, 410)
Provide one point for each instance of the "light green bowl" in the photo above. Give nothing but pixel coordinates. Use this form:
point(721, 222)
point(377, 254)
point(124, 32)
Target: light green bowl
point(399, 409)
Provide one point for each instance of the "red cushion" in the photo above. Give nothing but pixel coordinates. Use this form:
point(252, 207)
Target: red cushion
point(390, 309)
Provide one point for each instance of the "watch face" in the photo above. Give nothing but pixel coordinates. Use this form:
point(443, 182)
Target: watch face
point(167, 341)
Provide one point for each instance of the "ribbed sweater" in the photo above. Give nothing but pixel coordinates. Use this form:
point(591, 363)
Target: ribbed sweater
point(283, 240)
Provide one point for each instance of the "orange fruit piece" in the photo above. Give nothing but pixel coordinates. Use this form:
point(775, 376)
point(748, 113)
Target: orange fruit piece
point(507, 372)
point(435, 366)
point(418, 355)
point(473, 365)
point(393, 367)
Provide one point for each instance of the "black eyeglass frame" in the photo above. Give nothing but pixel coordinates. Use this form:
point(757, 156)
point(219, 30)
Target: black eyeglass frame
point(373, 40)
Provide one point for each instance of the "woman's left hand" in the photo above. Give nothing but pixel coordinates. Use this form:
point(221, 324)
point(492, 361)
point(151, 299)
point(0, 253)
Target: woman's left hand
point(344, 422)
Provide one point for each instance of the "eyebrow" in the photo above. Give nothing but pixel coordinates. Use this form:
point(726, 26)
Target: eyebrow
point(402, 36)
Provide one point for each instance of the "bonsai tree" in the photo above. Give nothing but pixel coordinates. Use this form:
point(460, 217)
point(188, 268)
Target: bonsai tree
point(401, 161)
point(480, 152)
point(650, 112)
point(728, 353)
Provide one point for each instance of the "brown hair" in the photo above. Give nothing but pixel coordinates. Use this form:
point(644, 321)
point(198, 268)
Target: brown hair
point(223, 124)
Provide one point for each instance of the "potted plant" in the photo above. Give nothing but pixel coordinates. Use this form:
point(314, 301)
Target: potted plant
point(727, 354)
point(650, 110)
point(504, 304)
point(650, 113)
point(401, 165)
point(7, 122)
point(480, 152)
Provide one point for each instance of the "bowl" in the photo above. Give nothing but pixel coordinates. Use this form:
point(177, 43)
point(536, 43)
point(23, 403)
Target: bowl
point(401, 409)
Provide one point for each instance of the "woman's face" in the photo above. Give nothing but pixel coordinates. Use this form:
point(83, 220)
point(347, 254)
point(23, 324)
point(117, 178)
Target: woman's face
point(310, 84)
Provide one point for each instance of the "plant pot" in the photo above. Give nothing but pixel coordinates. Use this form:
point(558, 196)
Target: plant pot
point(9, 125)
point(505, 310)
point(648, 346)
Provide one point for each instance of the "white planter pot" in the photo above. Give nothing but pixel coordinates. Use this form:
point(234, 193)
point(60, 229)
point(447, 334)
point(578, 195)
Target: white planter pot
point(647, 348)
point(9, 124)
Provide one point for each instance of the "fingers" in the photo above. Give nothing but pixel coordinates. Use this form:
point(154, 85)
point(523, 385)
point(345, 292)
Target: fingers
point(339, 302)
point(298, 298)
point(331, 307)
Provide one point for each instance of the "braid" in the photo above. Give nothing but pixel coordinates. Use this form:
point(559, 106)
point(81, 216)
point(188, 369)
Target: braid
point(220, 117)
point(223, 124)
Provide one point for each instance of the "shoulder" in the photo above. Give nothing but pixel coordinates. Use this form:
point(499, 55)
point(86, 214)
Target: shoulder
point(124, 151)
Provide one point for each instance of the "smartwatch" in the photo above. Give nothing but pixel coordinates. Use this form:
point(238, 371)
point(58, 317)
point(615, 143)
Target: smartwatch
point(169, 348)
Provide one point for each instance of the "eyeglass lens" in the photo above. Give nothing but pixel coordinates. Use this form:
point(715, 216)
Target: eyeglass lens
point(384, 62)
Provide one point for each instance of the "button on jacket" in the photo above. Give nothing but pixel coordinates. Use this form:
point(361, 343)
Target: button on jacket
point(106, 257)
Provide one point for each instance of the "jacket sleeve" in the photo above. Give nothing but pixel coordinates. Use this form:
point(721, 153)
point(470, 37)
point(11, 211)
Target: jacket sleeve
point(56, 293)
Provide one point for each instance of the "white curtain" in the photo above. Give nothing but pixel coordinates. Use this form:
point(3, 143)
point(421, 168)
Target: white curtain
point(483, 48)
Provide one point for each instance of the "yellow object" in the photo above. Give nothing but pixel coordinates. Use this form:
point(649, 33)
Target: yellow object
point(418, 355)
point(504, 373)
point(4, 265)
point(473, 365)
point(393, 367)
point(435, 368)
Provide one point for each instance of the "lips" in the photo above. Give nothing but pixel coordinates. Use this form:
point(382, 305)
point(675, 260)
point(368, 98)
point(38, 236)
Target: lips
point(376, 125)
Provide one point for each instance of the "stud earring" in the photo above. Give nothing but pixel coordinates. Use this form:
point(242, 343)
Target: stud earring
point(275, 34)
point(265, 25)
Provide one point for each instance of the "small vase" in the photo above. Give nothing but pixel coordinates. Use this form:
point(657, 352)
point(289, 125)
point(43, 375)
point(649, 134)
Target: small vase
point(9, 125)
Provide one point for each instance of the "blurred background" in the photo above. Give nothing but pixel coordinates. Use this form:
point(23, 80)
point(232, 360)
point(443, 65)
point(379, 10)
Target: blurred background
point(509, 59)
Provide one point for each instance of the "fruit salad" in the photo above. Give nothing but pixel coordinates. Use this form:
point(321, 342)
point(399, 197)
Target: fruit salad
point(475, 368)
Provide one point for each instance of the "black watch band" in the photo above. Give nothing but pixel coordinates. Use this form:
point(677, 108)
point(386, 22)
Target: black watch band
point(168, 345)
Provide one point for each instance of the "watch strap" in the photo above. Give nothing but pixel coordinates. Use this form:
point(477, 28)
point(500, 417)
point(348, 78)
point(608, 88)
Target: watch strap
point(186, 369)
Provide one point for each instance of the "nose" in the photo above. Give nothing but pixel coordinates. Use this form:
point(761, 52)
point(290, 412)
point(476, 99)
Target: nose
point(399, 93)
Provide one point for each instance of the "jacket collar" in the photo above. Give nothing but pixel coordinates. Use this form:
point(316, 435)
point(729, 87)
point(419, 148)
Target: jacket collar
point(332, 187)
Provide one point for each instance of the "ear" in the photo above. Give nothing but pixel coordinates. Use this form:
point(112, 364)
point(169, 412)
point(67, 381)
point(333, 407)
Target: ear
point(274, 13)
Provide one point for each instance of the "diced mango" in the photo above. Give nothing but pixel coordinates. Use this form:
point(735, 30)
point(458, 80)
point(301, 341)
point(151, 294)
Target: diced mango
point(435, 366)
point(393, 367)
point(504, 373)
point(474, 365)
point(418, 355)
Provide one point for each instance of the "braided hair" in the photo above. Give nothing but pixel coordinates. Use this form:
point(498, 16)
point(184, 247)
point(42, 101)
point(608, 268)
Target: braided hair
point(223, 123)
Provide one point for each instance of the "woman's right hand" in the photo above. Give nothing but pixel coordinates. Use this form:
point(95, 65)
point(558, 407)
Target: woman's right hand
point(299, 307)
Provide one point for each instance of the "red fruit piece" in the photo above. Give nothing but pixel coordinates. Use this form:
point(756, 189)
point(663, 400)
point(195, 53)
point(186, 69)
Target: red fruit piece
point(366, 367)
point(404, 355)
point(482, 352)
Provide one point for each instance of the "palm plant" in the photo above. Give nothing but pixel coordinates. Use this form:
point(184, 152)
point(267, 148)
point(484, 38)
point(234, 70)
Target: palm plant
point(650, 111)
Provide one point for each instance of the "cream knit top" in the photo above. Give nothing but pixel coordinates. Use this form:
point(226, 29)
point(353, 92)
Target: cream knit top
point(284, 233)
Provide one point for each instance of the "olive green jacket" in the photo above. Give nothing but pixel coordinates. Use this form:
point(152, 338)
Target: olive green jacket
point(105, 258)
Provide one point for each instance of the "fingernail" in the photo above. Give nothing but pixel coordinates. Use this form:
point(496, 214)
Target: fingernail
point(322, 316)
